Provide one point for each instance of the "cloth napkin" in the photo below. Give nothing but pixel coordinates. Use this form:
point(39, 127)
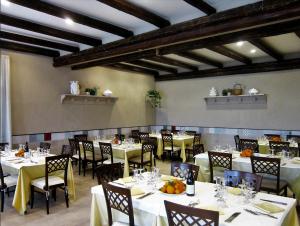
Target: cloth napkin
point(296, 160)
point(269, 207)
point(211, 207)
point(168, 177)
point(235, 191)
point(136, 191)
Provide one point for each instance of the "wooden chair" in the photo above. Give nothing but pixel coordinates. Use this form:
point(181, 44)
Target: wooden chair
point(168, 146)
point(219, 159)
point(273, 136)
point(2, 146)
point(165, 131)
point(296, 138)
point(190, 150)
point(179, 215)
point(135, 135)
point(45, 145)
point(6, 182)
point(237, 142)
point(190, 132)
point(66, 150)
point(179, 169)
point(51, 182)
point(118, 198)
point(235, 177)
point(198, 149)
point(109, 172)
point(107, 153)
point(144, 137)
point(269, 167)
point(153, 140)
point(249, 144)
point(74, 144)
point(89, 156)
point(146, 156)
point(279, 146)
point(81, 137)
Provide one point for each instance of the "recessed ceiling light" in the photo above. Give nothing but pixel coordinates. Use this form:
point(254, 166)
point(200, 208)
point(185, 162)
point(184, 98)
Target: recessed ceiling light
point(5, 2)
point(69, 21)
point(253, 51)
point(240, 43)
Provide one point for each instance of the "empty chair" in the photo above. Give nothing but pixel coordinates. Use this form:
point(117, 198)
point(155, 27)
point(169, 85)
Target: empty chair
point(145, 159)
point(269, 167)
point(235, 177)
point(237, 142)
point(198, 149)
point(219, 159)
point(279, 146)
point(143, 137)
point(135, 135)
point(168, 146)
point(118, 198)
point(89, 156)
point(153, 140)
point(109, 172)
point(296, 138)
point(5, 183)
point(276, 137)
point(190, 150)
point(190, 132)
point(2, 146)
point(107, 153)
point(45, 145)
point(81, 137)
point(51, 182)
point(74, 144)
point(179, 169)
point(179, 215)
point(249, 144)
point(66, 150)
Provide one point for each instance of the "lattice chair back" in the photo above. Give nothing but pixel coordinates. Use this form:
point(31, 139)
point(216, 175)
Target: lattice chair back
point(118, 198)
point(197, 139)
point(45, 145)
point(237, 142)
point(179, 169)
point(88, 148)
point(54, 164)
point(2, 146)
point(147, 150)
point(179, 215)
point(106, 150)
point(198, 149)
point(109, 172)
point(167, 140)
point(272, 136)
point(144, 137)
point(81, 137)
point(249, 144)
point(219, 159)
point(74, 145)
point(279, 146)
point(296, 138)
point(66, 150)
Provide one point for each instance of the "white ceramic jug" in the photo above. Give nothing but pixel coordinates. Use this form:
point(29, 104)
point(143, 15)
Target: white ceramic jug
point(74, 87)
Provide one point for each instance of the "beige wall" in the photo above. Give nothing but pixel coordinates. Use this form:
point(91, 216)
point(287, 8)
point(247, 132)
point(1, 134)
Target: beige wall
point(37, 86)
point(183, 102)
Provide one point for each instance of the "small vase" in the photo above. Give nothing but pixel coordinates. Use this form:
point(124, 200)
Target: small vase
point(74, 87)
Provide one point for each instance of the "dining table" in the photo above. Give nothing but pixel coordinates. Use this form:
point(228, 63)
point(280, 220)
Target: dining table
point(27, 170)
point(180, 140)
point(150, 210)
point(264, 148)
point(289, 169)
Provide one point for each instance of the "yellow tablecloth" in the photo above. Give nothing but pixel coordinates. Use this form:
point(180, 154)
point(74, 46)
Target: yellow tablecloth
point(29, 173)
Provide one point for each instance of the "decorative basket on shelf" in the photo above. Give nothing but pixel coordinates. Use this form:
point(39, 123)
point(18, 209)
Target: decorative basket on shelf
point(237, 89)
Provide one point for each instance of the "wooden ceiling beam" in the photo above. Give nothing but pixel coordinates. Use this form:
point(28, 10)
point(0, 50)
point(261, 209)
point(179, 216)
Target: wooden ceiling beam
point(234, 70)
point(202, 59)
point(130, 68)
point(262, 45)
point(169, 61)
point(42, 29)
point(28, 49)
point(202, 5)
point(238, 20)
point(230, 53)
point(37, 41)
point(154, 66)
point(137, 11)
point(76, 17)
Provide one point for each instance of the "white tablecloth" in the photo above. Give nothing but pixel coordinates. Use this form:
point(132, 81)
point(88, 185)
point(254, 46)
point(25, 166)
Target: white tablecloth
point(150, 211)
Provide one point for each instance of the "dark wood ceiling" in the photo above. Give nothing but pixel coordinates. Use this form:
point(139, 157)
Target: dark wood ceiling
point(149, 52)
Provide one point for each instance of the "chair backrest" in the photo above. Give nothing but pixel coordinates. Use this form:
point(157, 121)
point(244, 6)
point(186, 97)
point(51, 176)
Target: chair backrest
point(179, 215)
point(272, 136)
point(118, 198)
point(54, 164)
point(175, 131)
point(237, 142)
point(45, 145)
point(106, 149)
point(109, 172)
point(190, 132)
point(81, 137)
point(179, 169)
point(164, 131)
point(279, 146)
point(88, 147)
point(249, 144)
point(2, 184)
point(66, 150)
point(153, 140)
point(234, 178)
point(198, 149)
point(147, 149)
point(135, 135)
point(74, 144)
point(266, 166)
point(2, 146)
point(296, 138)
point(197, 139)
point(167, 140)
point(144, 136)
point(219, 159)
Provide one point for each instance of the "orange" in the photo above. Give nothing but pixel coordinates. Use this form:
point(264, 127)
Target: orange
point(170, 189)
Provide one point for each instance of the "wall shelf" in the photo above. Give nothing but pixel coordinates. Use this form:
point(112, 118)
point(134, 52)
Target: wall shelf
point(86, 99)
point(240, 99)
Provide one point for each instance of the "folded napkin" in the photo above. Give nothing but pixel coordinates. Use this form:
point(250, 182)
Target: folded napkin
point(296, 160)
point(269, 207)
point(211, 207)
point(168, 177)
point(235, 191)
point(136, 191)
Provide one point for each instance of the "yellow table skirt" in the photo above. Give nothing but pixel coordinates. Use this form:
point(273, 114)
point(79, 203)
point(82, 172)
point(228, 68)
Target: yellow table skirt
point(29, 173)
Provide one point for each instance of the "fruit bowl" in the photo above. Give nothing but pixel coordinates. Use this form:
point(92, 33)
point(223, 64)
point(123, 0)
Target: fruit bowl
point(246, 153)
point(173, 187)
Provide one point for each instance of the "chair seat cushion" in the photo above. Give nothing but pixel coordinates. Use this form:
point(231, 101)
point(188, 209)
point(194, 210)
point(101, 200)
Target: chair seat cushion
point(270, 184)
point(115, 160)
point(138, 159)
point(97, 157)
point(52, 180)
point(175, 148)
point(11, 180)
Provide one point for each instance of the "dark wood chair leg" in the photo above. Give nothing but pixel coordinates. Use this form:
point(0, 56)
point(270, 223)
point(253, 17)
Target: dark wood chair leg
point(285, 191)
point(31, 196)
point(7, 192)
point(54, 194)
point(47, 202)
point(83, 166)
point(67, 197)
point(2, 200)
point(79, 166)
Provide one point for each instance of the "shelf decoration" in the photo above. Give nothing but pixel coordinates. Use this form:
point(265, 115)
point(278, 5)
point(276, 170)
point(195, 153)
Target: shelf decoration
point(237, 99)
point(86, 99)
point(154, 98)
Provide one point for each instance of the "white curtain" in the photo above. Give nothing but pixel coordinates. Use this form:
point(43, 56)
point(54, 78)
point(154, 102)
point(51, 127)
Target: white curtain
point(5, 103)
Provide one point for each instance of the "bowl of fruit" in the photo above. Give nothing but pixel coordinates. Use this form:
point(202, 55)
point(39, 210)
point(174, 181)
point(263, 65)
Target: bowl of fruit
point(246, 153)
point(173, 187)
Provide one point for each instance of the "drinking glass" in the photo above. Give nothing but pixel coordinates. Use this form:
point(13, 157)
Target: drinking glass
point(136, 175)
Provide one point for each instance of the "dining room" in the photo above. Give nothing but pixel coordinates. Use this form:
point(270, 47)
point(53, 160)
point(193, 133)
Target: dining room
point(138, 112)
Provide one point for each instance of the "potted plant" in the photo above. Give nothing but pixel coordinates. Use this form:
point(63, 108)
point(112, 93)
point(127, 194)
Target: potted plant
point(154, 97)
point(91, 91)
